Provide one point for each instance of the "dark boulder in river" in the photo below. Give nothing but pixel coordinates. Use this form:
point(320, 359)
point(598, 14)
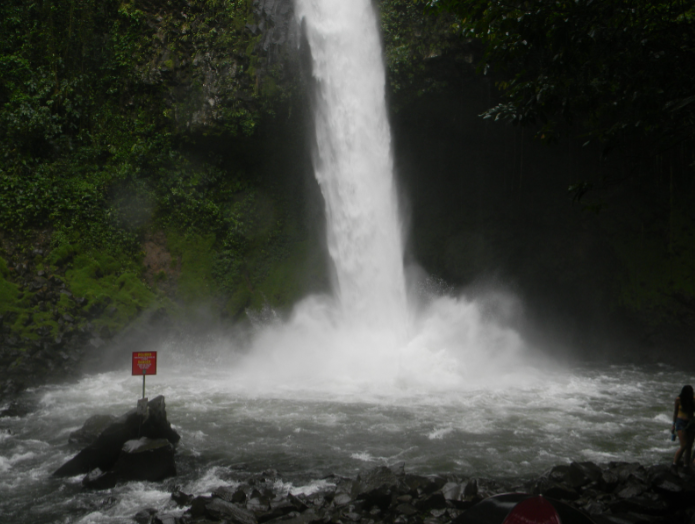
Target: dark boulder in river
point(136, 446)
point(146, 459)
point(91, 429)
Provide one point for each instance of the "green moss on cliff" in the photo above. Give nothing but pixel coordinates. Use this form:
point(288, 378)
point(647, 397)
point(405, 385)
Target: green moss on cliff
point(9, 293)
point(196, 256)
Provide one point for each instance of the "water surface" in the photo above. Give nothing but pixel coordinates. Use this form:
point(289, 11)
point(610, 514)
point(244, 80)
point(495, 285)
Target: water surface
point(598, 413)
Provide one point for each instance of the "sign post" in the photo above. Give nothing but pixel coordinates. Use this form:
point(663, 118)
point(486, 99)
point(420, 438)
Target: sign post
point(144, 363)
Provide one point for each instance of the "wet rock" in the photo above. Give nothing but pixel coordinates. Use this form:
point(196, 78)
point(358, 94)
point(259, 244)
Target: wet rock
point(222, 510)
point(227, 493)
point(631, 489)
point(471, 489)
point(197, 509)
point(278, 509)
point(627, 470)
point(625, 518)
point(181, 498)
point(167, 519)
point(452, 491)
point(297, 502)
point(665, 481)
point(97, 479)
point(430, 502)
point(106, 449)
point(548, 488)
point(342, 499)
point(378, 478)
point(647, 504)
point(309, 517)
point(91, 429)
point(594, 508)
point(258, 503)
point(378, 488)
point(145, 516)
point(609, 480)
point(406, 509)
point(146, 459)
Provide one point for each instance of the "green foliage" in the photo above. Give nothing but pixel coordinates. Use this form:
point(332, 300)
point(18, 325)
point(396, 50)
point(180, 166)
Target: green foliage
point(617, 66)
point(66, 138)
point(86, 143)
point(109, 285)
point(96, 150)
point(9, 293)
point(197, 257)
point(410, 40)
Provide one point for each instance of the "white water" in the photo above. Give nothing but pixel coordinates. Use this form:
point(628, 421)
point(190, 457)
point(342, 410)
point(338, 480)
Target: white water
point(353, 162)
point(370, 337)
point(598, 413)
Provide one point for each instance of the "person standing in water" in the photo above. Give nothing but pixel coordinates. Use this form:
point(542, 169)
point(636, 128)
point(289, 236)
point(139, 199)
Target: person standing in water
point(684, 425)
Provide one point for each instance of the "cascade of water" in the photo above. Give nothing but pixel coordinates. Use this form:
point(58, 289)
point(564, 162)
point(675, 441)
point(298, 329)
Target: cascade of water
point(353, 161)
point(374, 339)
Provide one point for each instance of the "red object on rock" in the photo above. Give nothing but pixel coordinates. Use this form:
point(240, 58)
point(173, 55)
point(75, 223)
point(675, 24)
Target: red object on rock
point(144, 363)
point(535, 510)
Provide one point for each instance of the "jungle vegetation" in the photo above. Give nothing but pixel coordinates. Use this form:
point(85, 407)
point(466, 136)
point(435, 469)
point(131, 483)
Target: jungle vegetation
point(618, 74)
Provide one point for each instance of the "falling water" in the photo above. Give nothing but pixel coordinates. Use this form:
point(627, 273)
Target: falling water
point(353, 160)
point(371, 336)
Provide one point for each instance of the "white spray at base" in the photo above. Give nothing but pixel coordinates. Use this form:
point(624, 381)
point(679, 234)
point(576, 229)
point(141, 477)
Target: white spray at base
point(370, 336)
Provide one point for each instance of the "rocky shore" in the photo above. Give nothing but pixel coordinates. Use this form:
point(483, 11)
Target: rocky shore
point(612, 493)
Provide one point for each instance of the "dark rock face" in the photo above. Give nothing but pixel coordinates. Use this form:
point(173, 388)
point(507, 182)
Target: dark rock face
point(133, 447)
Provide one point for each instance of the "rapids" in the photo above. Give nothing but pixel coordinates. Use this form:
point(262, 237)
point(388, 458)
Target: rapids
point(598, 413)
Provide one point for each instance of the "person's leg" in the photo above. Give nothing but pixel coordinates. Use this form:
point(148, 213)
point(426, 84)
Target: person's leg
point(689, 437)
point(682, 440)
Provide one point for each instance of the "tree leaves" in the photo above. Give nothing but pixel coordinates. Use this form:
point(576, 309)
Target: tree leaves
point(618, 65)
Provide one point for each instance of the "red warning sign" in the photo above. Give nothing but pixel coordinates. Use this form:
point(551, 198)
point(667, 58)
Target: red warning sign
point(145, 363)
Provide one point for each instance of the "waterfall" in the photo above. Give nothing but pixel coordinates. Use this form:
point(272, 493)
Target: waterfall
point(368, 337)
point(353, 161)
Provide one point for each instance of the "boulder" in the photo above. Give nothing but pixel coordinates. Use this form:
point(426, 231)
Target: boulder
point(97, 479)
point(647, 504)
point(219, 509)
point(197, 509)
point(145, 516)
point(378, 478)
point(406, 509)
point(106, 449)
point(146, 459)
point(342, 499)
point(278, 510)
point(378, 487)
point(181, 498)
point(548, 488)
point(434, 501)
point(229, 494)
point(91, 429)
point(452, 491)
point(471, 489)
point(630, 489)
